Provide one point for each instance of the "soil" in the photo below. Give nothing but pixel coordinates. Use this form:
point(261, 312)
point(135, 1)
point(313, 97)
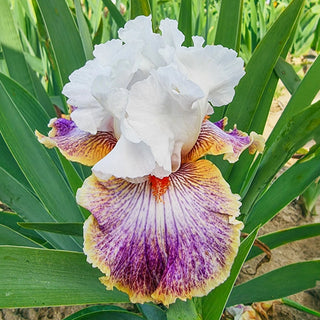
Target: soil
point(298, 251)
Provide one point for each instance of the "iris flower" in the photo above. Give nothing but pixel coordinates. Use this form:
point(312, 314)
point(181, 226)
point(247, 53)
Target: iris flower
point(163, 223)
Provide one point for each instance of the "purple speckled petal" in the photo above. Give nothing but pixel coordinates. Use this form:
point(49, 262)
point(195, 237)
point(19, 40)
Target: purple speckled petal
point(75, 144)
point(176, 238)
point(214, 140)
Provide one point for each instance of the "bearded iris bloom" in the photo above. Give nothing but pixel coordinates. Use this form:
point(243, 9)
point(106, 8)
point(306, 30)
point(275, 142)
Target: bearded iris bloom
point(163, 223)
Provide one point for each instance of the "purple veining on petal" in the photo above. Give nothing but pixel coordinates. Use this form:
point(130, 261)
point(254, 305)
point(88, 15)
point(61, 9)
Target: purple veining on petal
point(75, 144)
point(221, 123)
point(178, 247)
point(64, 126)
point(214, 140)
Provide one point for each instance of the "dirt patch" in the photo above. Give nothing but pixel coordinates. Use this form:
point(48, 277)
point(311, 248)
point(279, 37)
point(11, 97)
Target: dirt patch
point(57, 313)
point(298, 251)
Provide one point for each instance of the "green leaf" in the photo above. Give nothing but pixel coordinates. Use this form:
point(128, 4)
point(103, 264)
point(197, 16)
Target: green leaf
point(229, 24)
point(140, 7)
point(259, 69)
point(151, 311)
point(115, 14)
point(183, 310)
point(185, 21)
point(104, 313)
point(10, 237)
point(287, 187)
point(84, 31)
point(301, 128)
point(22, 201)
point(255, 104)
point(12, 49)
point(15, 59)
point(40, 277)
point(70, 228)
point(302, 97)
point(214, 303)
point(309, 197)
point(288, 76)
point(11, 220)
point(270, 286)
point(34, 114)
point(8, 164)
point(74, 179)
point(279, 238)
point(34, 161)
point(239, 180)
point(65, 39)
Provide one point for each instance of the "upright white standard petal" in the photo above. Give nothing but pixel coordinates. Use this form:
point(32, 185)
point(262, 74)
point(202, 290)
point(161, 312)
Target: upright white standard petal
point(164, 111)
point(138, 33)
point(152, 94)
point(171, 35)
point(215, 69)
point(89, 114)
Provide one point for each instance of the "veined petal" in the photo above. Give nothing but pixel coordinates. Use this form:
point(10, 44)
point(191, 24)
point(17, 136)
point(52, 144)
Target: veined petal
point(214, 140)
point(178, 246)
point(75, 144)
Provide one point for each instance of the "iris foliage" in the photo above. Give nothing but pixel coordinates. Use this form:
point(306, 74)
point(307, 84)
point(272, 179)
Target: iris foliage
point(42, 42)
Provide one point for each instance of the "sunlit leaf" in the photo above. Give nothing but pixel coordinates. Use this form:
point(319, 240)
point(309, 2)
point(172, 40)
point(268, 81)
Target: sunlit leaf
point(183, 310)
point(16, 62)
point(41, 277)
point(185, 21)
point(214, 303)
point(294, 181)
point(67, 46)
point(279, 238)
point(278, 283)
point(140, 7)
point(116, 15)
point(301, 128)
point(35, 162)
point(84, 31)
point(229, 24)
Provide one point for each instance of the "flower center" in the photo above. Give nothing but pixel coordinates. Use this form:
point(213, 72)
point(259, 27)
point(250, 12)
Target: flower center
point(159, 186)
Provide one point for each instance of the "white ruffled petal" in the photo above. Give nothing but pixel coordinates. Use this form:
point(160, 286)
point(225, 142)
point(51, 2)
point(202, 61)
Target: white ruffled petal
point(112, 98)
point(79, 87)
point(164, 112)
point(138, 34)
point(92, 119)
point(215, 69)
point(171, 35)
point(89, 114)
point(126, 160)
point(198, 41)
point(106, 53)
